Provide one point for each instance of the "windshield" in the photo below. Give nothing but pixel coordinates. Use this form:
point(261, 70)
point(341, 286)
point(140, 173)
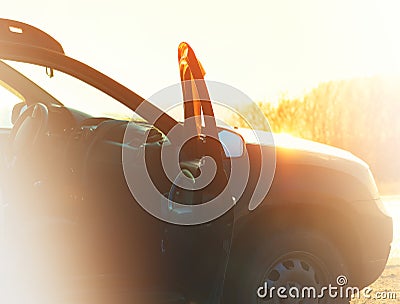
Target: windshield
point(74, 93)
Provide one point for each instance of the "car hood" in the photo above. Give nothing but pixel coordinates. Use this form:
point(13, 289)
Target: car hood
point(297, 151)
point(285, 141)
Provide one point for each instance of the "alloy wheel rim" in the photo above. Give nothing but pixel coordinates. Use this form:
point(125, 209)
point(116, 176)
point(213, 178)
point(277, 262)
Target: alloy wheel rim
point(294, 270)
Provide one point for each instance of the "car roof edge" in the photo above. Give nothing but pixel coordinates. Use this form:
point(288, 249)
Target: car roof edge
point(12, 31)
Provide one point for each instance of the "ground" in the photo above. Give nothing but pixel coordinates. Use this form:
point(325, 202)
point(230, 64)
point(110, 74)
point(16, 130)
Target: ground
point(389, 281)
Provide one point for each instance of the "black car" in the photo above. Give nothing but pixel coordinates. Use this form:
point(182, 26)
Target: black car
point(92, 215)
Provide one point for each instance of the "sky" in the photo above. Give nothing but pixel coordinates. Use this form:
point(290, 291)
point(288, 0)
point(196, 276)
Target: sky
point(264, 48)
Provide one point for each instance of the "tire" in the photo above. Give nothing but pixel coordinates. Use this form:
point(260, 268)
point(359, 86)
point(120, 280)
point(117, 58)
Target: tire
point(296, 259)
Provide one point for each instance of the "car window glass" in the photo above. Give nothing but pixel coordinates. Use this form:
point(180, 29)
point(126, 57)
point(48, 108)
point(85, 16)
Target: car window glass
point(8, 99)
point(76, 94)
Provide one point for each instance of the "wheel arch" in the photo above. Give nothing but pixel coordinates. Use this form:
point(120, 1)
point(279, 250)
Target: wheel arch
point(329, 216)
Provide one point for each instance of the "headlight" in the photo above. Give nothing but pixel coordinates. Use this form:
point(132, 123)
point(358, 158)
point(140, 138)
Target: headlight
point(372, 186)
point(382, 207)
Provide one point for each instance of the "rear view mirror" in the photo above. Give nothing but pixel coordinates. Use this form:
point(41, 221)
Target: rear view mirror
point(232, 143)
point(18, 109)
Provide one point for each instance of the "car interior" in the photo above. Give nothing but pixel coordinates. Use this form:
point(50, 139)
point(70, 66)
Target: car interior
point(70, 208)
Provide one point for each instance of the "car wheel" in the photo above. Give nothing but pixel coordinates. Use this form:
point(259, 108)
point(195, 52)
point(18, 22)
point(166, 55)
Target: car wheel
point(298, 263)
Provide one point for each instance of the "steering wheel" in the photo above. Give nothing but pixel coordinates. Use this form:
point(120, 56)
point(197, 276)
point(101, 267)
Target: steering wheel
point(28, 130)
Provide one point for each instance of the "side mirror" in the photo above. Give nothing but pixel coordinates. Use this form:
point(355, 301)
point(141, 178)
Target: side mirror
point(18, 109)
point(232, 143)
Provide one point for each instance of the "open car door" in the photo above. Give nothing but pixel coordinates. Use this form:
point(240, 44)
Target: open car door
point(197, 254)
